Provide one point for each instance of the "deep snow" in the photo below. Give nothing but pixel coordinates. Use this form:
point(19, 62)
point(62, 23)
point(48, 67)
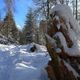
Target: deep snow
point(18, 63)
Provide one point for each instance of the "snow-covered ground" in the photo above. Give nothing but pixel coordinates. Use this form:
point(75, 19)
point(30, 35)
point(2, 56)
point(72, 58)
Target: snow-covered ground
point(18, 63)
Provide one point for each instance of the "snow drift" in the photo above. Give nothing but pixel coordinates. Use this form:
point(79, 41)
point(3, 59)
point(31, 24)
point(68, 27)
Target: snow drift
point(17, 63)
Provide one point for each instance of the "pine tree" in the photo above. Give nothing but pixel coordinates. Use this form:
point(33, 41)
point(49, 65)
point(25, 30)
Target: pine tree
point(43, 7)
point(10, 5)
point(29, 28)
point(9, 28)
point(21, 38)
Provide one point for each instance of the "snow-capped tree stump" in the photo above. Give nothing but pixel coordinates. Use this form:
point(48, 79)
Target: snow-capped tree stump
point(63, 41)
point(56, 68)
point(53, 29)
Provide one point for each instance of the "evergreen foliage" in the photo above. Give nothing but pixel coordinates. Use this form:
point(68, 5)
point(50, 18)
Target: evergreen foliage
point(9, 28)
point(29, 28)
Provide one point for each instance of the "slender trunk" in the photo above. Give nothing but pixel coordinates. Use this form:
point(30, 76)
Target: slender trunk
point(47, 9)
point(76, 9)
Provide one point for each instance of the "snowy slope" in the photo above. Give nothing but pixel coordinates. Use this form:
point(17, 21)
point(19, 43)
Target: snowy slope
point(18, 63)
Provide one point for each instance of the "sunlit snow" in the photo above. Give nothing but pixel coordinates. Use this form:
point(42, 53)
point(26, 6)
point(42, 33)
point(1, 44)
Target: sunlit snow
point(17, 63)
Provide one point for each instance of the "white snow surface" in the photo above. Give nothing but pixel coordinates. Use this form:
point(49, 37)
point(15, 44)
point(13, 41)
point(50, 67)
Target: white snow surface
point(58, 1)
point(65, 12)
point(74, 50)
point(18, 63)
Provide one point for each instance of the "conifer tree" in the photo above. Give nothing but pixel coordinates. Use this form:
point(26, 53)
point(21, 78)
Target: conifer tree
point(9, 28)
point(43, 7)
point(10, 5)
point(21, 39)
point(29, 28)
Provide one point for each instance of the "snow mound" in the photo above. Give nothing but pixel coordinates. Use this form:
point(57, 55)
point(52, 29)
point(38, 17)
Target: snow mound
point(17, 63)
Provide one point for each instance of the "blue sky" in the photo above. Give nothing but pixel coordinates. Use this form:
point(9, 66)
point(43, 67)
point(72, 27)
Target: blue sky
point(21, 10)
